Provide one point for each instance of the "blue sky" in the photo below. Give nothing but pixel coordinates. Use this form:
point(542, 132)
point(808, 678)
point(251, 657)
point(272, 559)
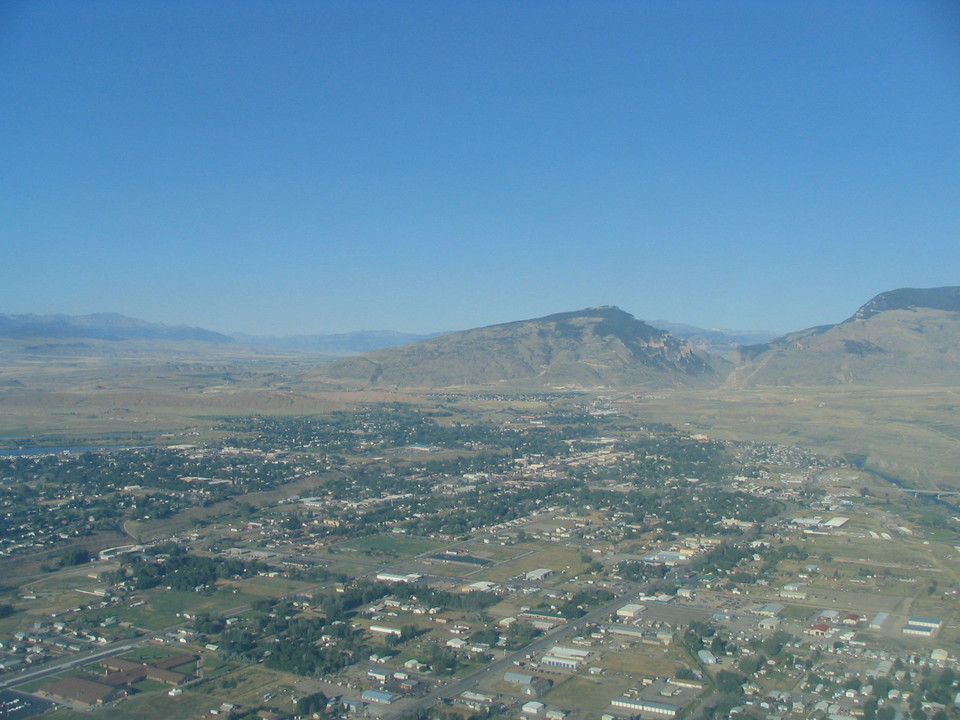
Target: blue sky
point(314, 167)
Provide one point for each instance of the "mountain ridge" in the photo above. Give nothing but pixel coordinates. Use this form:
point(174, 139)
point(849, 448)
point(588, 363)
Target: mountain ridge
point(897, 338)
point(598, 346)
point(908, 336)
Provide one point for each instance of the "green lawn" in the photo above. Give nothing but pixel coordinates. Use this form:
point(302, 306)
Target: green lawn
point(402, 546)
point(163, 605)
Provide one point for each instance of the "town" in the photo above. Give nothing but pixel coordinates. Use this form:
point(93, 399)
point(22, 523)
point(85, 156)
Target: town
point(478, 556)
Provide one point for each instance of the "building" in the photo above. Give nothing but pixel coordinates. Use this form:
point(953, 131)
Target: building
point(410, 579)
point(81, 691)
point(539, 574)
point(481, 586)
point(353, 706)
point(769, 610)
point(475, 700)
point(517, 678)
point(530, 685)
point(561, 662)
point(836, 522)
point(380, 676)
point(379, 697)
point(707, 657)
point(630, 611)
point(878, 620)
point(920, 630)
point(924, 627)
point(769, 623)
point(385, 630)
point(647, 706)
point(571, 653)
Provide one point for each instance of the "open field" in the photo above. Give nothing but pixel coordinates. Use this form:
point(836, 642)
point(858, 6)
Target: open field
point(163, 605)
point(399, 546)
point(564, 560)
point(642, 663)
point(591, 693)
point(148, 706)
point(166, 397)
point(909, 433)
point(267, 587)
point(246, 685)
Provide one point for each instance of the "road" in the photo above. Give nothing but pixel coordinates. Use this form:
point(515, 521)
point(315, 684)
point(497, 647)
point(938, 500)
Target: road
point(67, 663)
point(59, 665)
point(498, 667)
point(540, 644)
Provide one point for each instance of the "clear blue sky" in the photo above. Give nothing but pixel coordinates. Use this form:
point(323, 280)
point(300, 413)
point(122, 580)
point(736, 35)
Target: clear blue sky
point(287, 167)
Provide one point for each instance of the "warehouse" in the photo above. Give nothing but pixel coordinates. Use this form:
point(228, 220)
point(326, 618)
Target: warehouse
point(647, 706)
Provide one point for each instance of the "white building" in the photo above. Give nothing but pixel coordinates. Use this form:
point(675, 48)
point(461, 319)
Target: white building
point(630, 611)
point(647, 706)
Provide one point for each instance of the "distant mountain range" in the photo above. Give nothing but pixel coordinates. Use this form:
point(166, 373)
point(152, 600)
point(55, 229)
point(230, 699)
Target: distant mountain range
point(100, 326)
point(97, 334)
point(718, 342)
point(59, 334)
point(602, 346)
point(899, 338)
point(342, 344)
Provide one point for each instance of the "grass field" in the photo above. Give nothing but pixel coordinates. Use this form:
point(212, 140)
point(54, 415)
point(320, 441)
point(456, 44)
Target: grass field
point(399, 546)
point(152, 706)
point(564, 560)
point(592, 694)
point(640, 664)
point(163, 605)
point(261, 587)
point(908, 433)
point(246, 685)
